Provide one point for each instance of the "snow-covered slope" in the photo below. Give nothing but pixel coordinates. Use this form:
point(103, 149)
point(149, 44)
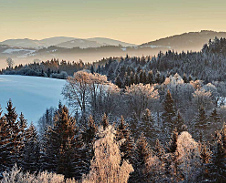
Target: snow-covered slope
point(107, 41)
point(30, 95)
point(81, 43)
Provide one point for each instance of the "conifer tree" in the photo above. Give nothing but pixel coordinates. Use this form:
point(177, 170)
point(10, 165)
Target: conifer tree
point(22, 123)
point(147, 125)
point(141, 155)
point(215, 117)
point(127, 144)
point(90, 131)
point(218, 171)
point(136, 79)
point(5, 144)
point(185, 78)
point(15, 132)
point(133, 125)
point(172, 146)
point(206, 156)
point(61, 145)
point(126, 81)
point(169, 111)
point(201, 122)
point(179, 121)
point(159, 149)
point(105, 121)
point(31, 151)
point(150, 78)
point(131, 78)
point(118, 81)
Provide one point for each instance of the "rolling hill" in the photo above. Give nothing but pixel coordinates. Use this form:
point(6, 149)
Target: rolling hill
point(187, 41)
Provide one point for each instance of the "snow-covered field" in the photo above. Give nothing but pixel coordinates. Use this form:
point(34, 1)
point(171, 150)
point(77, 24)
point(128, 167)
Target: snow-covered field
point(30, 95)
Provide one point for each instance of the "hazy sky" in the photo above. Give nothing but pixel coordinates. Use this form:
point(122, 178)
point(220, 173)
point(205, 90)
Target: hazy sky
point(134, 21)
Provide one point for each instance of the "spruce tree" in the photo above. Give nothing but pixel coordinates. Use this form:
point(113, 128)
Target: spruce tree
point(105, 121)
point(140, 158)
point(127, 144)
point(179, 122)
point(15, 132)
point(31, 151)
point(146, 125)
point(159, 149)
point(134, 125)
point(131, 79)
point(169, 112)
point(60, 145)
point(215, 117)
point(218, 171)
point(201, 122)
point(136, 79)
point(150, 78)
point(90, 131)
point(5, 144)
point(118, 82)
point(172, 146)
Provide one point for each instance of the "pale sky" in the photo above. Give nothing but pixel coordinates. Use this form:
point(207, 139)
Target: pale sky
point(133, 21)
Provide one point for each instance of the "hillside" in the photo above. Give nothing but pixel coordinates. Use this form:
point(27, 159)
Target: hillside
point(186, 41)
point(40, 93)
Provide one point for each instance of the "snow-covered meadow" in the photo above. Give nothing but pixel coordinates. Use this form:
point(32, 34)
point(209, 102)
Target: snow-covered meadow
point(30, 95)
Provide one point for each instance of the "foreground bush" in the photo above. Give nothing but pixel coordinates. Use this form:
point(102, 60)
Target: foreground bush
point(17, 176)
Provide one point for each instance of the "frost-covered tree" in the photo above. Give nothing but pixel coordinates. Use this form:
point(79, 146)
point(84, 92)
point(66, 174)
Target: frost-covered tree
point(10, 62)
point(81, 90)
point(106, 165)
point(141, 97)
point(188, 157)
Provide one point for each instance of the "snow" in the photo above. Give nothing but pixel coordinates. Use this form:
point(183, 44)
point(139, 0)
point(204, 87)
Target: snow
point(12, 50)
point(30, 95)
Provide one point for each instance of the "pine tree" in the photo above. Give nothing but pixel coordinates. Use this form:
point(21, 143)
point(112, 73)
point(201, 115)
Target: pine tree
point(215, 117)
point(141, 156)
point(172, 146)
point(118, 81)
point(206, 156)
point(201, 122)
point(15, 132)
point(146, 125)
point(185, 78)
point(169, 111)
point(133, 125)
point(159, 149)
point(22, 122)
point(179, 122)
point(60, 145)
point(136, 79)
point(127, 145)
point(88, 136)
point(31, 151)
point(90, 131)
point(126, 81)
point(218, 171)
point(5, 144)
point(150, 78)
point(105, 121)
point(131, 78)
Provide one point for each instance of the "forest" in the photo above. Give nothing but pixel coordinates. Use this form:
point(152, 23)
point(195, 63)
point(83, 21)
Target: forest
point(131, 119)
